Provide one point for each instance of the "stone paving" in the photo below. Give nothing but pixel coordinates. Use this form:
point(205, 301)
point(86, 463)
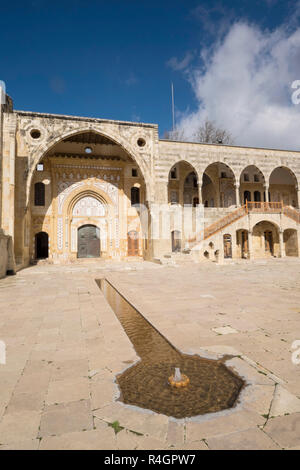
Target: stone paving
point(64, 347)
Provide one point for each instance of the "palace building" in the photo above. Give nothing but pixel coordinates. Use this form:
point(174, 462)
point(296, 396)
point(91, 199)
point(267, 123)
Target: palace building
point(74, 187)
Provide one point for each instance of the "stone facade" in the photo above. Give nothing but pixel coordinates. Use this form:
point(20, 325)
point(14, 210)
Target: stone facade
point(60, 173)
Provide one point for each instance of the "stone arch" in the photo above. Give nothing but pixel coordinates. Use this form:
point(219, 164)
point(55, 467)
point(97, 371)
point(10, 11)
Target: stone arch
point(67, 224)
point(42, 150)
point(283, 186)
point(252, 184)
point(75, 196)
point(265, 239)
point(184, 168)
point(255, 168)
point(218, 185)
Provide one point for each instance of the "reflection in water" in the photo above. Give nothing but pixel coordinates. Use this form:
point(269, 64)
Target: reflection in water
point(212, 386)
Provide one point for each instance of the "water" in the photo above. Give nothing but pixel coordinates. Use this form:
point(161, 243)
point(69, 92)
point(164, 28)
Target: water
point(212, 386)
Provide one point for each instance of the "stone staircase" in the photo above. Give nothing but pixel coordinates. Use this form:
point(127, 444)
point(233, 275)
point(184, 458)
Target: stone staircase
point(206, 245)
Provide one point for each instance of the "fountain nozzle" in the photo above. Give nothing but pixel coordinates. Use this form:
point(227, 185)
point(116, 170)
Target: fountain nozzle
point(178, 379)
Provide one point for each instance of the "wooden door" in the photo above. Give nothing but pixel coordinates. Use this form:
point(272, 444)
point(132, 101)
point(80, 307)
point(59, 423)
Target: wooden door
point(133, 243)
point(88, 242)
point(227, 246)
point(244, 244)
point(269, 242)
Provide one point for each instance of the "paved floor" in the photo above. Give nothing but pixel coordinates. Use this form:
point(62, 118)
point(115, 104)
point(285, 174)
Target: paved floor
point(64, 347)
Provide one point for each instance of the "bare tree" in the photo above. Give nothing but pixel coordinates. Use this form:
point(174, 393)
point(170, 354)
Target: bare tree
point(211, 134)
point(208, 133)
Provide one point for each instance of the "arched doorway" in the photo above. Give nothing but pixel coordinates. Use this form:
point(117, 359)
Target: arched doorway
point(41, 245)
point(227, 246)
point(88, 242)
point(265, 240)
point(92, 192)
point(133, 243)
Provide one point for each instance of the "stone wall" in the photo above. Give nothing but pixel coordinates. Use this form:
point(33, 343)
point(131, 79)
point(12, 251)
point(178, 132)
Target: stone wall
point(7, 262)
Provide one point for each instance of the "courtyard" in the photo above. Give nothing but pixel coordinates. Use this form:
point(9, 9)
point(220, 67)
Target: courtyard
point(64, 347)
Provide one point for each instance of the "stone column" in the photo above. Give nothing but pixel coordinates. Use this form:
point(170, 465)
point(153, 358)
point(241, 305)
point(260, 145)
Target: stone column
point(266, 193)
point(200, 193)
point(281, 244)
point(237, 195)
point(250, 245)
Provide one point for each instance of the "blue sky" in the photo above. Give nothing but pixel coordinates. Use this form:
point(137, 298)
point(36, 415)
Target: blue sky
point(116, 59)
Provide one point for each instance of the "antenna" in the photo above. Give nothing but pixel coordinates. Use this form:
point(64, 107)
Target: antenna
point(173, 114)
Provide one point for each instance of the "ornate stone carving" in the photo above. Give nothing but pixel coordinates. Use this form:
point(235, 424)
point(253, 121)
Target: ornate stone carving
point(59, 233)
point(88, 206)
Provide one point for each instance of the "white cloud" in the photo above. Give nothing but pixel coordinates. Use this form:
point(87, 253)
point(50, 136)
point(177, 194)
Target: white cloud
point(244, 85)
point(179, 65)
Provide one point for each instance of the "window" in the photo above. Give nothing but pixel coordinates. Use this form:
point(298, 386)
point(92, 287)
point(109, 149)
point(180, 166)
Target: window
point(174, 174)
point(35, 134)
point(134, 172)
point(39, 194)
point(223, 174)
point(246, 177)
point(141, 142)
point(135, 196)
point(257, 196)
point(256, 178)
point(195, 182)
point(40, 167)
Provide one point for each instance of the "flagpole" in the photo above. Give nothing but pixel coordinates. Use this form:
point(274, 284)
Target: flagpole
point(173, 114)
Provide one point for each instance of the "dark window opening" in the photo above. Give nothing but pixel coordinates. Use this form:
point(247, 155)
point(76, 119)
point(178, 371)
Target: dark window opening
point(39, 194)
point(35, 134)
point(135, 196)
point(134, 172)
point(257, 196)
point(141, 142)
point(174, 174)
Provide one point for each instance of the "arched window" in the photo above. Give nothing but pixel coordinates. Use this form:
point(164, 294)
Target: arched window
point(39, 194)
point(247, 196)
point(135, 196)
point(257, 196)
